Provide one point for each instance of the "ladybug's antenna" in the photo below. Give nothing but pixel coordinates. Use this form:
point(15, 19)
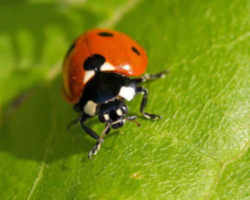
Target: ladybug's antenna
point(133, 119)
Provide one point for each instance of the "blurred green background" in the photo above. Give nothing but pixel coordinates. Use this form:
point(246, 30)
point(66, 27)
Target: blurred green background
point(199, 150)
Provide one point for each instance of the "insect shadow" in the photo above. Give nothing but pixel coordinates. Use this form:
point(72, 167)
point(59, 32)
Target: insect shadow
point(37, 130)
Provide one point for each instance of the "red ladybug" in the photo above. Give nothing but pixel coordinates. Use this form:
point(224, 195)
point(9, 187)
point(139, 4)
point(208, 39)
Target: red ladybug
point(99, 73)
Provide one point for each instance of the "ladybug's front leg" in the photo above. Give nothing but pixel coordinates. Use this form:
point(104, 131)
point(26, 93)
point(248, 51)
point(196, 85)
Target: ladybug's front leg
point(144, 91)
point(99, 142)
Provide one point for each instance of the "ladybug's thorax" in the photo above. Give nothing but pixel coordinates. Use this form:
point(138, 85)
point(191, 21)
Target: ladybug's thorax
point(103, 88)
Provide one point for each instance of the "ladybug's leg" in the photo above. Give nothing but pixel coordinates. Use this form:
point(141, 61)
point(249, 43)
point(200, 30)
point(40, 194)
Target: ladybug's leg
point(99, 142)
point(144, 91)
point(88, 130)
point(151, 77)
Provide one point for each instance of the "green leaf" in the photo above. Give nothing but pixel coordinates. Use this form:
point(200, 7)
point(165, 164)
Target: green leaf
point(34, 39)
point(199, 150)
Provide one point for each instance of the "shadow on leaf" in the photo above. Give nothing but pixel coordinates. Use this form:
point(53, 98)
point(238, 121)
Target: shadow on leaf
point(37, 130)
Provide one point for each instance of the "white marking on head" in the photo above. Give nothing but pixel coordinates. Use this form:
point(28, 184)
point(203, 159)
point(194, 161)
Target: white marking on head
point(88, 75)
point(90, 108)
point(106, 117)
point(107, 67)
point(127, 93)
point(119, 112)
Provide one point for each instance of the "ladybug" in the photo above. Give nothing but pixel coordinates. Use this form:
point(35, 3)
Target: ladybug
point(101, 72)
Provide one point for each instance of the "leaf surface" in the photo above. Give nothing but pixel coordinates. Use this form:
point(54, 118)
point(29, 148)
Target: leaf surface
point(199, 150)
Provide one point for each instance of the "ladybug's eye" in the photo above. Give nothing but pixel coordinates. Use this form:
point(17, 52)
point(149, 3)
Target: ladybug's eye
point(93, 62)
point(106, 34)
point(135, 50)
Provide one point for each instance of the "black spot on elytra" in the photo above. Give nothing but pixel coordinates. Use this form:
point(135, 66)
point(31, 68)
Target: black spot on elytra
point(106, 34)
point(71, 48)
point(94, 62)
point(136, 51)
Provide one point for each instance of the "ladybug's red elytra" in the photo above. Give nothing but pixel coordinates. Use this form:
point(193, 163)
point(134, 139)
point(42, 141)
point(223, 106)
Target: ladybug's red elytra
point(100, 73)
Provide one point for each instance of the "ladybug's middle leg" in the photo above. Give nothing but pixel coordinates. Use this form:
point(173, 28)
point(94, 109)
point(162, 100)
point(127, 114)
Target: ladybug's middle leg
point(144, 91)
point(88, 130)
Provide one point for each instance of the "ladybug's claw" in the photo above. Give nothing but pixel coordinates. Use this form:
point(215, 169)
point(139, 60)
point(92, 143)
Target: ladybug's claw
point(96, 148)
point(144, 91)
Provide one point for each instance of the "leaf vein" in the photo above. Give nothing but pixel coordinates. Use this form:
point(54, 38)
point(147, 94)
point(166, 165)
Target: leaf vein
point(224, 165)
point(43, 163)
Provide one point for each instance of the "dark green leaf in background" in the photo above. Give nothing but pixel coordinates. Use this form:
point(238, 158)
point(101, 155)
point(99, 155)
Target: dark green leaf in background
point(199, 150)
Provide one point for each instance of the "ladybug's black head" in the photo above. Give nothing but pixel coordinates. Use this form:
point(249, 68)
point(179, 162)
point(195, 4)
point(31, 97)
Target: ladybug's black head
point(113, 112)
